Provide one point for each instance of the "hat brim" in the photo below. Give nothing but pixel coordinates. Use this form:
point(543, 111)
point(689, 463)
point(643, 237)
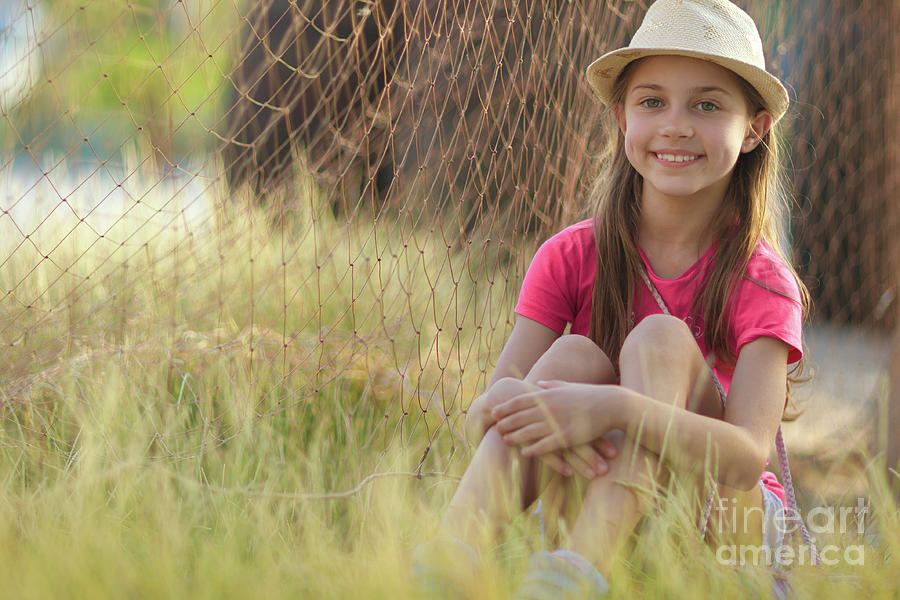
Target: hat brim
point(603, 72)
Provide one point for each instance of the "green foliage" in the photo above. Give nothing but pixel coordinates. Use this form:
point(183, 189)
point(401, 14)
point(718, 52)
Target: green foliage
point(123, 72)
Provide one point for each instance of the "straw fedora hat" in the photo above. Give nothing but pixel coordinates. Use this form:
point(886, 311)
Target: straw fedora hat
point(713, 30)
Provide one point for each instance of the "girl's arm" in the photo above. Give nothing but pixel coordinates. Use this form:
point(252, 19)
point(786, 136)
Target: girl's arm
point(528, 341)
point(753, 411)
point(559, 417)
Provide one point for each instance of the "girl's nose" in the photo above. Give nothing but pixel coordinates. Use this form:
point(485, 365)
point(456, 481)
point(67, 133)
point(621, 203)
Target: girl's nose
point(676, 125)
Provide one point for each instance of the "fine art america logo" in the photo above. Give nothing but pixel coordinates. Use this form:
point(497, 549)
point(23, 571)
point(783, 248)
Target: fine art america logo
point(828, 520)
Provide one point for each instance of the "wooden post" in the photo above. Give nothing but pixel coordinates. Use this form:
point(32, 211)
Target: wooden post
point(893, 222)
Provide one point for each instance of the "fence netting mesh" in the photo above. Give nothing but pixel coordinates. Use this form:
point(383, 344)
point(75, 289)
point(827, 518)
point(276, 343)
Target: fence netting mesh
point(335, 202)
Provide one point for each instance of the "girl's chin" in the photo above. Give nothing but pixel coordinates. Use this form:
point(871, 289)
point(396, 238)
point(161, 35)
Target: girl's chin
point(675, 192)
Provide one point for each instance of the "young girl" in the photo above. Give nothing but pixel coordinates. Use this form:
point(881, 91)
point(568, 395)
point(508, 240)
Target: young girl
point(679, 270)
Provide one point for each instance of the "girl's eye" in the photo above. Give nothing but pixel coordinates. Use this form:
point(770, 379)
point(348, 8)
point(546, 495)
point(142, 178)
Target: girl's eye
point(651, 103)
point(707, 106)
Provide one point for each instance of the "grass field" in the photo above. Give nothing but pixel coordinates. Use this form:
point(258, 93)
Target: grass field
point(240, 405)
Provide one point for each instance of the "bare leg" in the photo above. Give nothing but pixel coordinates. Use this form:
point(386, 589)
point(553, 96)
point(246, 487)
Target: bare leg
point(575, 359)
point(661, 359)
point(499, 483)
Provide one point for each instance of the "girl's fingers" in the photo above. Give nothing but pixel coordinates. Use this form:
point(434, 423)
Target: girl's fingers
point(581, 460)
point(550, 442)
point(589, 457)
point(556, 463)
point(606, 448)
point(517, 420)
point(525, 435)
point(511, 406)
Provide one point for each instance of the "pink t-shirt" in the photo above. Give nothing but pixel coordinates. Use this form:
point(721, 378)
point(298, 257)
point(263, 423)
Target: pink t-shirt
point(559, 283)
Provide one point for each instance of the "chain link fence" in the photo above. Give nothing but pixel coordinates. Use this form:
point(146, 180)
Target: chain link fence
point(338, 200)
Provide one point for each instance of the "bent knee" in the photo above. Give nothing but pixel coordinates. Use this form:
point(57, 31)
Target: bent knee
point(506, 388)
point(660, 332)
point(576, 358)
point(574, 343)
point(662, 327)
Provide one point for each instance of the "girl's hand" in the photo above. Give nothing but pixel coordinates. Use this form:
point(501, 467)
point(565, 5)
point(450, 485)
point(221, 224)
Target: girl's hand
point(586, 459)
point(479, 418)
point(557, 417)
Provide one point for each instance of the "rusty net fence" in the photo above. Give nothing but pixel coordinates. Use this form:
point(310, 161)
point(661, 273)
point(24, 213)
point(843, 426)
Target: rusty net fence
point(332, 204)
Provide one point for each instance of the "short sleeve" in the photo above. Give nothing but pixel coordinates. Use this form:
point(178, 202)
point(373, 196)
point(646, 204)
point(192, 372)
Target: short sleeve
point(767, 304)
point(547, 294)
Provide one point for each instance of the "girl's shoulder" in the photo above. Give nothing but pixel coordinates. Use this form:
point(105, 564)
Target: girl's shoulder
point(576, 237)
point(767, 302)
point(768, 269)
point(572, 248)
point(581, 231)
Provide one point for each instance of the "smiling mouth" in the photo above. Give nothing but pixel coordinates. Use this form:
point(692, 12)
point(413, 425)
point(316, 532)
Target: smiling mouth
point(676, 158)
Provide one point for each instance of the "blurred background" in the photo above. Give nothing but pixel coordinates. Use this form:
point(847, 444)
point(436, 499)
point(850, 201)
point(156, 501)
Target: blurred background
point(339, 199)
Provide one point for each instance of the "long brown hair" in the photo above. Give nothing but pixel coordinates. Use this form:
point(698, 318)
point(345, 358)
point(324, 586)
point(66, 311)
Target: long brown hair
point(754, 206)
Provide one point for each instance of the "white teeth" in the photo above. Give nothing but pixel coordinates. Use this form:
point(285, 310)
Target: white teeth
point(676, 157)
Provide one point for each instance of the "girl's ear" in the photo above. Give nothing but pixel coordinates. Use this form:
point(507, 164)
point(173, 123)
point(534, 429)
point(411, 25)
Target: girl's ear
point(619, 113)
point(760, 124)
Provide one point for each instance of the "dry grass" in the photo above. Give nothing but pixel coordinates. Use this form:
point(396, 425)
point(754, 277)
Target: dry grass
point(191, 423)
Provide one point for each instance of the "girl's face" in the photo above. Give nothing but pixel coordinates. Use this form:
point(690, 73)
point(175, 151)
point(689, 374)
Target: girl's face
point(685, 123)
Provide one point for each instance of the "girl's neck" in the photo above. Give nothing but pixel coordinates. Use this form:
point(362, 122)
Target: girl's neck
point(677, 224)
point(675, 232)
